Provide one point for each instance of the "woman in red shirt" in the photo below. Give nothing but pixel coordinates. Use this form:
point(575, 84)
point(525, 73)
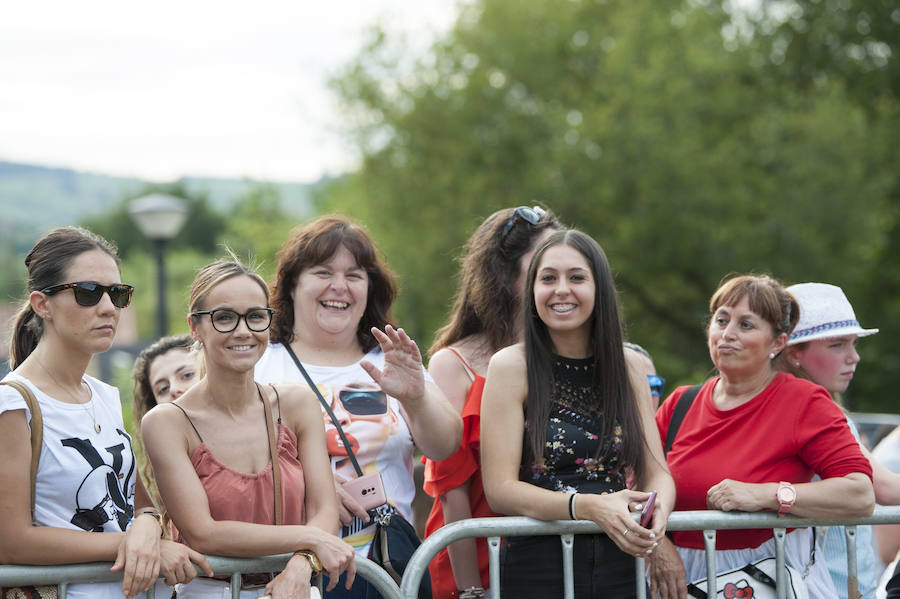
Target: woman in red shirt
point(752, 440)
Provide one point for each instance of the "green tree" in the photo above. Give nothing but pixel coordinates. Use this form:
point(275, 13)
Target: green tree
point(855, 43)
point(257, 226)
point(637, 121)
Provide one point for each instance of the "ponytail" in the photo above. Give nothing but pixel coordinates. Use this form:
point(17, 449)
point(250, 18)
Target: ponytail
point(26, 331)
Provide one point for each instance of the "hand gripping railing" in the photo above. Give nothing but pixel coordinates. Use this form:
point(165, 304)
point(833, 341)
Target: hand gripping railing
point(707, 521)
point(12, 576)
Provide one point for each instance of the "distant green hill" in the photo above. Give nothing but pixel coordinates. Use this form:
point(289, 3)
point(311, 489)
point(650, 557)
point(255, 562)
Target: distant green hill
point(36, 198)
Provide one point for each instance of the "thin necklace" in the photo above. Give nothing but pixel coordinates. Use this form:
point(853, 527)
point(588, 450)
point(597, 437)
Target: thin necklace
point(92, 411)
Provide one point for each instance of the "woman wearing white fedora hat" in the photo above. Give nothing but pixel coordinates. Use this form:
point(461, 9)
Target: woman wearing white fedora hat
point(823, 345)
point(822, 348)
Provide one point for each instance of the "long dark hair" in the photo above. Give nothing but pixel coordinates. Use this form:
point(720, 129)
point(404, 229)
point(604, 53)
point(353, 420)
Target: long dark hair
point(46, 264)
point(611, 384)
point(487, 294)
point(314, 244)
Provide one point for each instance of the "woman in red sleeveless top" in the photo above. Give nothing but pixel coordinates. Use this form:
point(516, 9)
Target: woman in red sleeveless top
point(484, 319)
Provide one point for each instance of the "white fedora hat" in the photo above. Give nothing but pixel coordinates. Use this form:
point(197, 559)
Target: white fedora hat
point(824, 312)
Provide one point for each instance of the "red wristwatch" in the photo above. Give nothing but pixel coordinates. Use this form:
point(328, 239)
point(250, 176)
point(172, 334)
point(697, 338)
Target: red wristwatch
point(786, 495)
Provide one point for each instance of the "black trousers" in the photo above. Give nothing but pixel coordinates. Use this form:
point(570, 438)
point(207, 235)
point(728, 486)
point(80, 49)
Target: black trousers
point(532, 567)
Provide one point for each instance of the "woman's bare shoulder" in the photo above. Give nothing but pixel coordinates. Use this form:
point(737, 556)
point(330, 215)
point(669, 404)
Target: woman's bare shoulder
point(510, 358)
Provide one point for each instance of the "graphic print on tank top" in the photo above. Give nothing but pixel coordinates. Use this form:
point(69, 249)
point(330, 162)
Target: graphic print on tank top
point(100, 497)
point(365, 415)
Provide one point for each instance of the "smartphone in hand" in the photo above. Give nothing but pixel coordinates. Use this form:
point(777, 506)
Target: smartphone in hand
point(647, 512)
point(368, 490)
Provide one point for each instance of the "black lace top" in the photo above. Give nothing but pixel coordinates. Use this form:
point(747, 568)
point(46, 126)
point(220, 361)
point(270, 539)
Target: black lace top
point(573, 436)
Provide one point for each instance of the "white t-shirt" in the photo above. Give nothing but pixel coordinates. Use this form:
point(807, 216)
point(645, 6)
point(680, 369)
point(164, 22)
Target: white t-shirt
point(372, 421)
point(85, 479)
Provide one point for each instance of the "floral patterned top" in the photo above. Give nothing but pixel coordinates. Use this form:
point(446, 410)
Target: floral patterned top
point(573, 436)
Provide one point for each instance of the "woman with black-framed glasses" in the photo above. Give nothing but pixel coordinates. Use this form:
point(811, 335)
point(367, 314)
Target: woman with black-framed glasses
point(215, 463)
point(86, 480)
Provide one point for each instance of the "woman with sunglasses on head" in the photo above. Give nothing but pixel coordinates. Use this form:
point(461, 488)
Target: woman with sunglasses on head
point(162, 372)
point(87, 480)
point(822, 348)
point(219, 448)
point(333, 295)
point(564, 414)
point(492, 277)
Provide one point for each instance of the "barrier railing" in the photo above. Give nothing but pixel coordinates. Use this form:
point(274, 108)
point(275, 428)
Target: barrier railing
point(707, 521)
point(491, 528)
point(63, 576)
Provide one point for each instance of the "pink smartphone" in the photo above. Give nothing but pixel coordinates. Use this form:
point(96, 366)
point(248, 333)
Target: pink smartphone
point(368, 490)
point(647, 512)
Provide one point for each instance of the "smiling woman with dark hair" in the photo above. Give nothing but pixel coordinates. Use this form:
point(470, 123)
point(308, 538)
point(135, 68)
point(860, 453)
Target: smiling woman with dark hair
point(332, 297)
point(564, 415)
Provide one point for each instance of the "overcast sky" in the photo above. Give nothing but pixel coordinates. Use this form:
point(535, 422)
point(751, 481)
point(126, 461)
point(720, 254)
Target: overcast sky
point(189, 87)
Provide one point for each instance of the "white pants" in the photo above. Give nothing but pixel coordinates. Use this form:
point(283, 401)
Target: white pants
point(205, 588)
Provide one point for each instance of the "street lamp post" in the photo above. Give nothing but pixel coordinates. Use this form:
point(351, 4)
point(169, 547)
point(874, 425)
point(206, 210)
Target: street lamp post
point(159, 216)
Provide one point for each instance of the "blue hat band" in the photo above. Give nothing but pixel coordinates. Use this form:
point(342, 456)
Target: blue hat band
point(838, 324)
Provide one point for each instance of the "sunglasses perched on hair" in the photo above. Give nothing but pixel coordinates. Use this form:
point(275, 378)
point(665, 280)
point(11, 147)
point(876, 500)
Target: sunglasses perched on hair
point(532, 216)
point(88, 293)
point(657, 385)
point(226, 320)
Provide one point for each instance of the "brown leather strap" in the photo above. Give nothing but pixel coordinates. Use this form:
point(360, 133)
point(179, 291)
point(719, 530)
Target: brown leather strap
point(273, 455)
point(37, 431)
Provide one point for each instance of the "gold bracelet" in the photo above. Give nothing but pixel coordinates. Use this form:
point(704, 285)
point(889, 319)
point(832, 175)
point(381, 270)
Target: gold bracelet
point(314, 562)
point(148, 511)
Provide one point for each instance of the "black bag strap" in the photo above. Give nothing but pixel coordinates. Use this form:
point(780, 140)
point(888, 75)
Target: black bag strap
point(328, 409)
point(750, 569)
point(758, 575)
point(681, 409)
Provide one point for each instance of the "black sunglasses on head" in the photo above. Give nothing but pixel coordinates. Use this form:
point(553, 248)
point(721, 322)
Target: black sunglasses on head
point(532, 216)
point(88, 293)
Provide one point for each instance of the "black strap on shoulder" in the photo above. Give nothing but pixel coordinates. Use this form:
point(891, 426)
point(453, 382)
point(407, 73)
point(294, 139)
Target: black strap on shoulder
point(328, 409)
point(681, 409)
point(191, 422)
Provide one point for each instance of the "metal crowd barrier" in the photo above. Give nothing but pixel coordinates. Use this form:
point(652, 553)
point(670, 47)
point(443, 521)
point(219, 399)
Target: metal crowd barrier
point(493, 529)
point(707, 521)
point(63, 576)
